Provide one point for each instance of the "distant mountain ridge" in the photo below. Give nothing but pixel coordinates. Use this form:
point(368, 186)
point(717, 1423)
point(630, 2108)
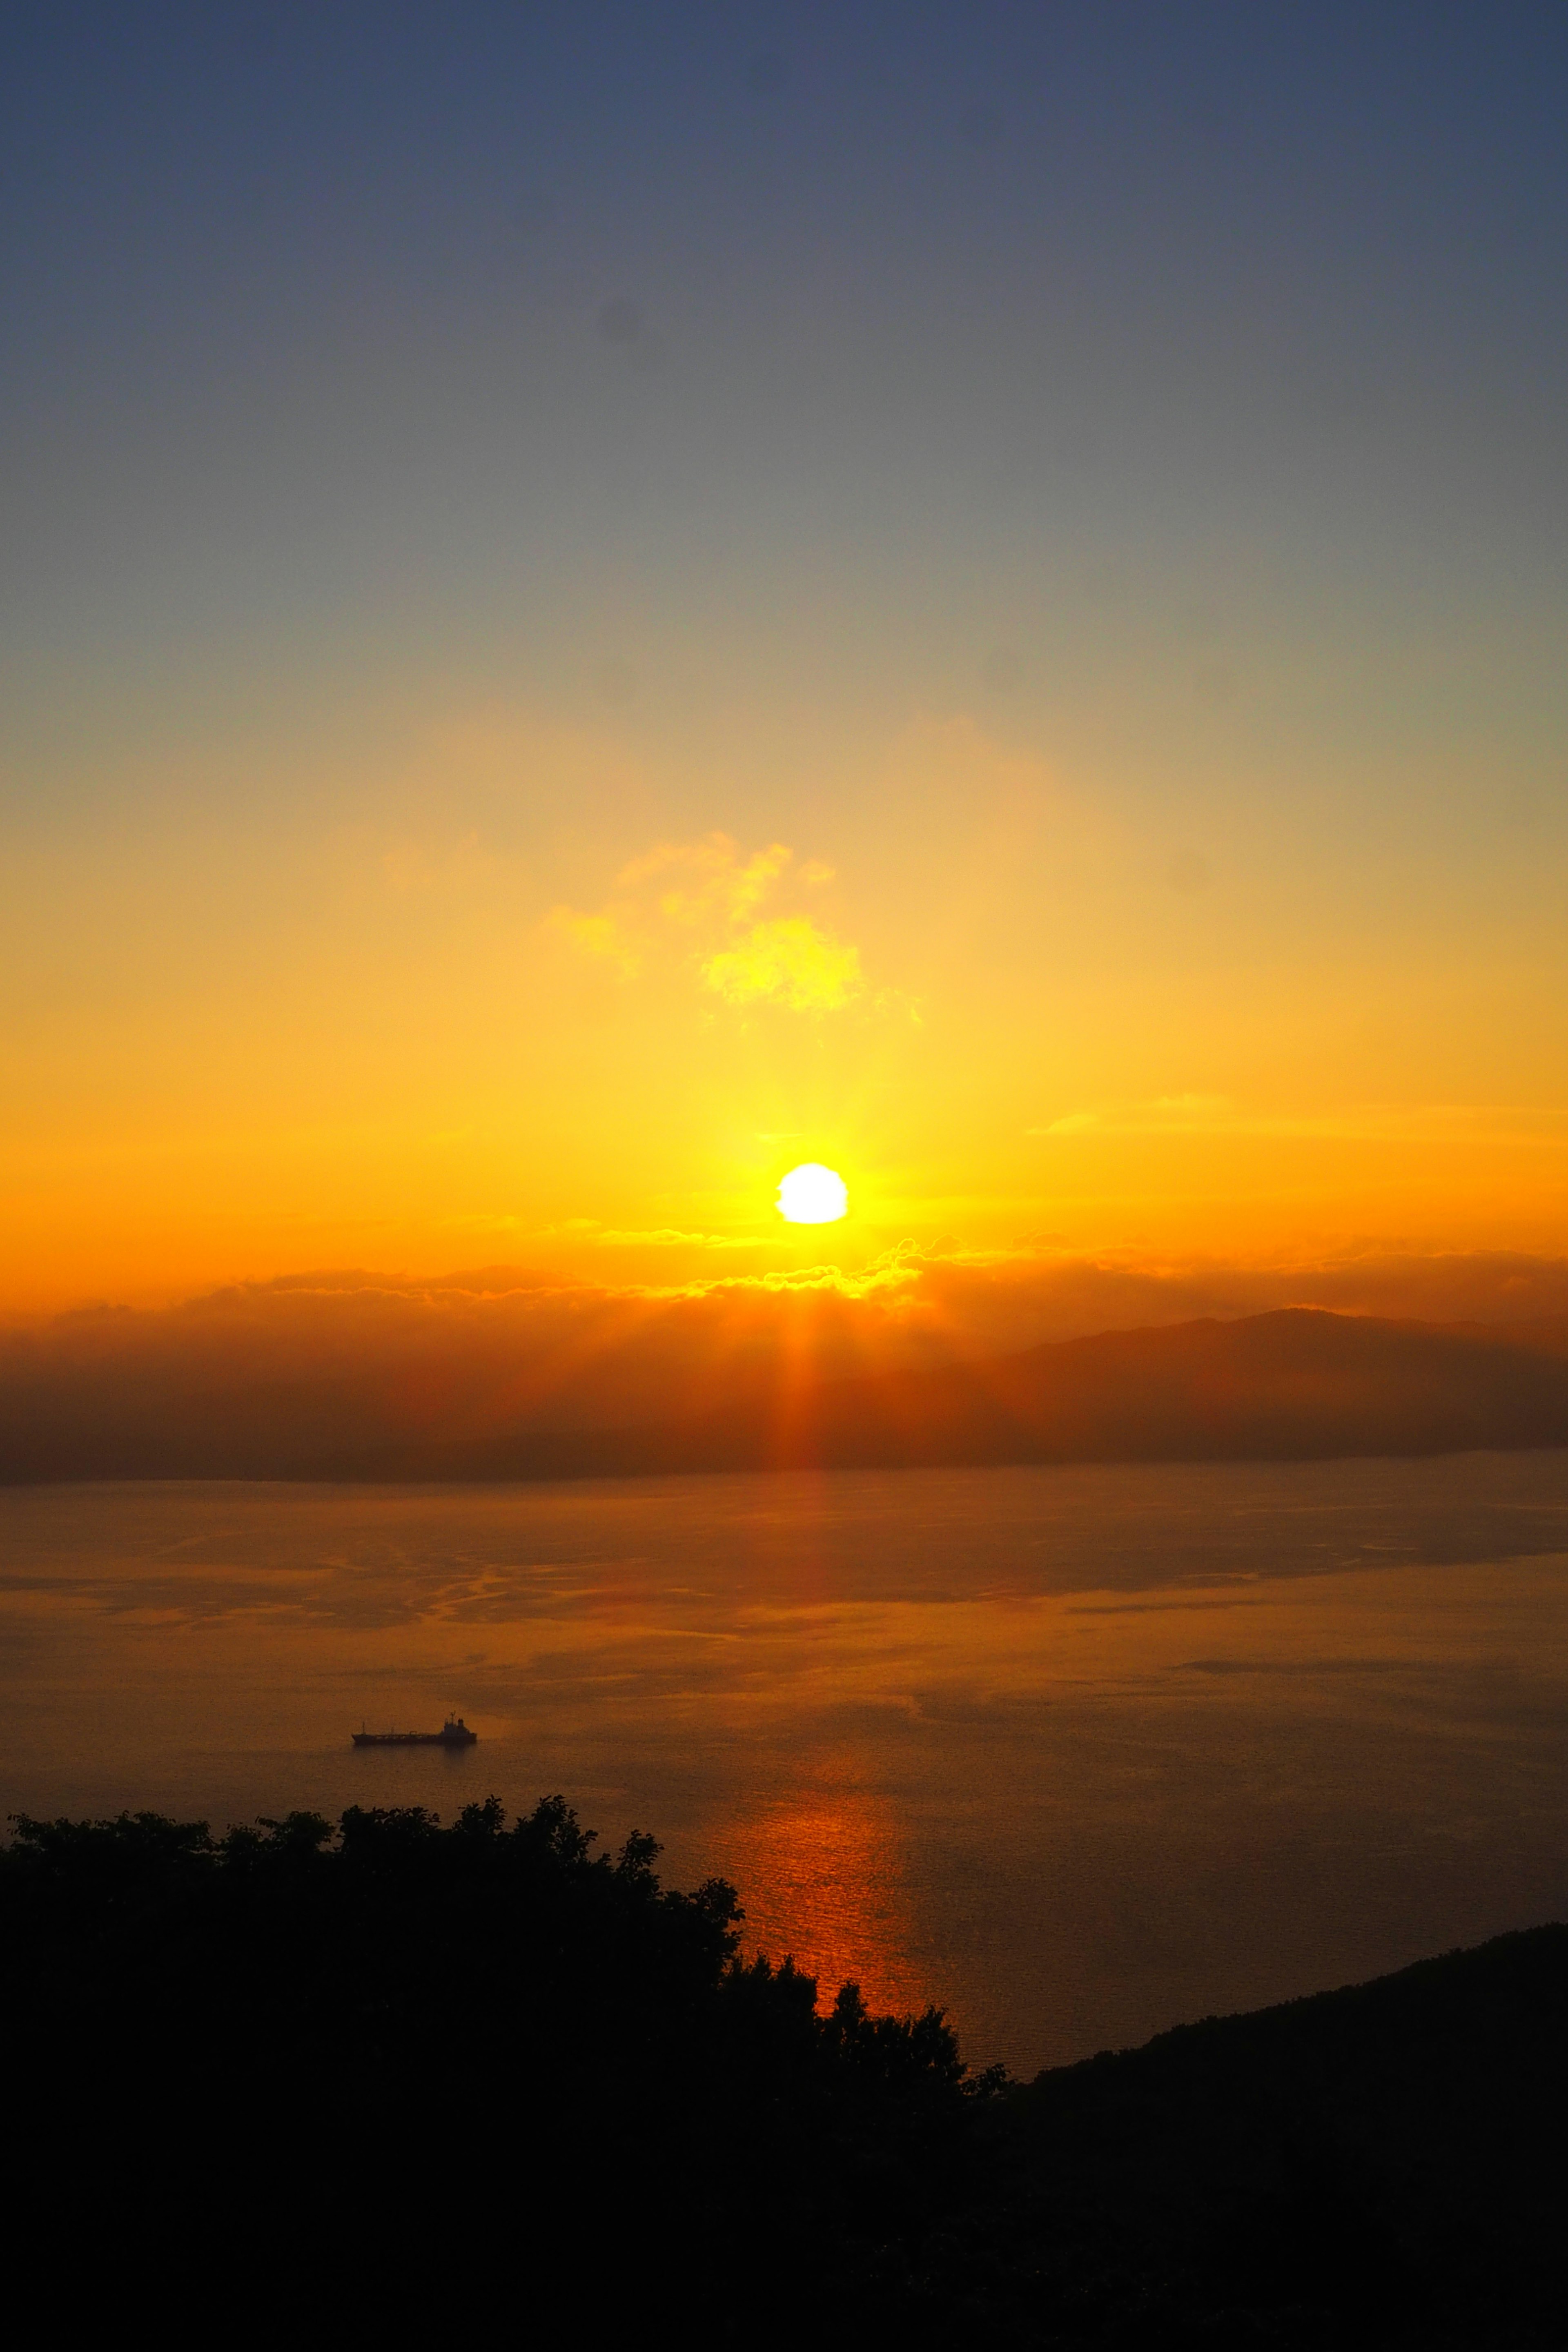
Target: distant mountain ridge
point(1299, 1383)
point(1296, 1383)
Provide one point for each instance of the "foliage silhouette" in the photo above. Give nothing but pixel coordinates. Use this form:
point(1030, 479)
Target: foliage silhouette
point(366, 2052)
point(396, 2074)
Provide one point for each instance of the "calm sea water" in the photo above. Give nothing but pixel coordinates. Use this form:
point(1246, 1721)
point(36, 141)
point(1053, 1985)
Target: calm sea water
point(1078, 1752)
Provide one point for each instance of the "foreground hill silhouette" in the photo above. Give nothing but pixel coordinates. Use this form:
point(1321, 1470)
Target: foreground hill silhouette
point(1294, 1384)
point(475, 2077)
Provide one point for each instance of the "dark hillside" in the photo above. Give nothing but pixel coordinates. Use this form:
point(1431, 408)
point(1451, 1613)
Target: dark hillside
point(476, 2076)
point(1384, 2165)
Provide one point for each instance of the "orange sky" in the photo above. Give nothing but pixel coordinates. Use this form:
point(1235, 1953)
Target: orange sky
point(483, 1008)
point(582, 628)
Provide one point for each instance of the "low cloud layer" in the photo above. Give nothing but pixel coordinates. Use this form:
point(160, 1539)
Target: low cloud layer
point(268, 1376)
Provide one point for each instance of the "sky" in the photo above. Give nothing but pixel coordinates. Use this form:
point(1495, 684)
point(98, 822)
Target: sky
point(601, 601)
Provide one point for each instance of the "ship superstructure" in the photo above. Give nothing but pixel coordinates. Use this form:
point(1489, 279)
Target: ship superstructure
point(454, 1733)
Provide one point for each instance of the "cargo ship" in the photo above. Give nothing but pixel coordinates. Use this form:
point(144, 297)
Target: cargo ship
point(454, 1733)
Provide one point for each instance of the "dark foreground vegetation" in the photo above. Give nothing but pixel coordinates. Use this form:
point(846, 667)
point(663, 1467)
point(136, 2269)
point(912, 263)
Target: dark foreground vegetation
point(402, 2078)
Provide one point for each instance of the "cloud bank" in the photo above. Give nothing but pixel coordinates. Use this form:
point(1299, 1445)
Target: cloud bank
point(265, 1378)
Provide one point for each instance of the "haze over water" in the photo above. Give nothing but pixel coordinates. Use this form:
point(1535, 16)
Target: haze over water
point(1078, 1752)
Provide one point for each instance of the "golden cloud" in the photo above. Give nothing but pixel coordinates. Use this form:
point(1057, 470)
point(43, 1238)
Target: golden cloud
point(789, 962)
point(715, 878)
point(603, 935)
point(786, 960)
point(1210, 1115)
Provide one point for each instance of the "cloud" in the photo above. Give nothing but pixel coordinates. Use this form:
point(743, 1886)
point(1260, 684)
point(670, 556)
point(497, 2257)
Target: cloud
point(1074, 1122)
point(715, 878)
point(1194, 1114)
point(673, 1237)
point(264, 1375)
point(268, 1375)
point(790, 962)
point(603, 935)
point(712, 888)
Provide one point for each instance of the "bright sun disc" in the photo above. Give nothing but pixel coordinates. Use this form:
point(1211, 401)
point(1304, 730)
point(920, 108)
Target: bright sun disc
point(813, 1195)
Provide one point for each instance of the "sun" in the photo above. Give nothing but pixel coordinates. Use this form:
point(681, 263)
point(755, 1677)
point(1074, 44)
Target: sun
point(813, 1195)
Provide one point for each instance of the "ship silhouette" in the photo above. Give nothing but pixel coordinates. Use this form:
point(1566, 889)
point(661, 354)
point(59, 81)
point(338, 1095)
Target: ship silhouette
point(454, 1733)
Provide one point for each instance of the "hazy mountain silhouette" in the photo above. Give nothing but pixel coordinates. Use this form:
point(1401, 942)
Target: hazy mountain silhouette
point(1294, 1384)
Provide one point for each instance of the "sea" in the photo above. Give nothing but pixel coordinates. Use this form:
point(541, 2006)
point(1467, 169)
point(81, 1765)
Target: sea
point(1077, 1753)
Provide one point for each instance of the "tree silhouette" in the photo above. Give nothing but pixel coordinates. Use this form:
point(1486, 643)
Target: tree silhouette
point(394, 2075)
point(376, 2044)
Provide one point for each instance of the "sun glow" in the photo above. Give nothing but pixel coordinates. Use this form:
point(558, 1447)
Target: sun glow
point(813, 1195)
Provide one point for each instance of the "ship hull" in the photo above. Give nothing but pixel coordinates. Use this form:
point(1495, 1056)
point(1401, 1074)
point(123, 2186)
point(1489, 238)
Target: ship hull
point(415, 1739)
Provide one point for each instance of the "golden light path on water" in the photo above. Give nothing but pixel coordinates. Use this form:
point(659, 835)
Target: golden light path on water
point(1078, 1752)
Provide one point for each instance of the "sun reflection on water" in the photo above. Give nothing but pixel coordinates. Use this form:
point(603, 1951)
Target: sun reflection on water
point(826, 1881)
